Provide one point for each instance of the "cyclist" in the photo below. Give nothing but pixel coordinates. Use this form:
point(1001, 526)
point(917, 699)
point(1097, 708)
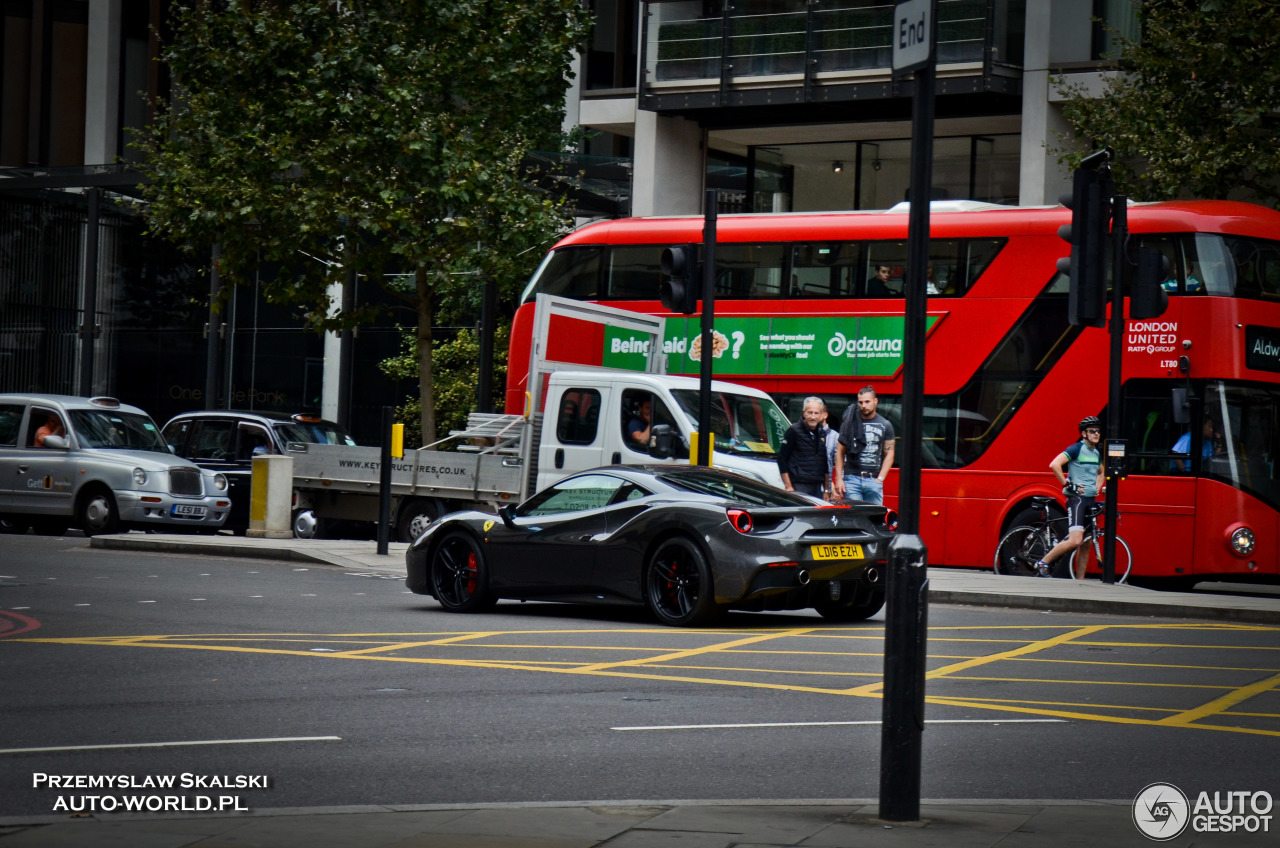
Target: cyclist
point(1079, 469)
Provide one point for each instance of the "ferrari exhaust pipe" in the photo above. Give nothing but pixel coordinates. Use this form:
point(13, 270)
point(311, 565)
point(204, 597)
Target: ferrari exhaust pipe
point(873, 575)
point(802, 577)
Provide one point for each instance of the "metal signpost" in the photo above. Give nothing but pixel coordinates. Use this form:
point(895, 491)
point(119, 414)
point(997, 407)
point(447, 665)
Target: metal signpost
point(705, 432)
point(906, 608)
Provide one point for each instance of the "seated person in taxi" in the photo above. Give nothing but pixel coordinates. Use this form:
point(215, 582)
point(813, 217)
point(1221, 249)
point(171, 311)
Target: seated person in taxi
point(52, 427)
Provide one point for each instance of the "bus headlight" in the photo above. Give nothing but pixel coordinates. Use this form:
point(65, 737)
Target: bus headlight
point(1242, 540)
point(220, 482)
point(139, 477)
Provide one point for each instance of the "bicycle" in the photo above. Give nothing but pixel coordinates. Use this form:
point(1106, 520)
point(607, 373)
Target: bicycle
point(1022, 547)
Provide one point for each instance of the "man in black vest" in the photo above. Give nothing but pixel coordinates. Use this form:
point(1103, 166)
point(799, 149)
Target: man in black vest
point(802, 459)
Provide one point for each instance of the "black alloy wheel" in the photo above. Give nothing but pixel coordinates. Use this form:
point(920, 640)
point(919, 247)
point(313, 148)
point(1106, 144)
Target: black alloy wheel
point(678, 587)
point(459, 574)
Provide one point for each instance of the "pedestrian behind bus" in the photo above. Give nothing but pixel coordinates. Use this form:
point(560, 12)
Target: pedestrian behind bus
point(1080, 471)
point(864, 453)
point(802, 458)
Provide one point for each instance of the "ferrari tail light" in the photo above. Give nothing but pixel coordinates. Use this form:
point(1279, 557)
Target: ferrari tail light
point(740, 519)
point(889, 520)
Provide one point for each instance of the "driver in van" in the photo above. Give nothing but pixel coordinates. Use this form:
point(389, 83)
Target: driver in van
point(641, 424)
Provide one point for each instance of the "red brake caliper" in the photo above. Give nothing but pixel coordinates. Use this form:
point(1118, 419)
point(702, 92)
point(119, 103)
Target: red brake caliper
point(471, 572)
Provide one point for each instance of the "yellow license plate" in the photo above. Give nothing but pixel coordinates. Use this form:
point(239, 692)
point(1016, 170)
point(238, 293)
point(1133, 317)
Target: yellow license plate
point(835, 551)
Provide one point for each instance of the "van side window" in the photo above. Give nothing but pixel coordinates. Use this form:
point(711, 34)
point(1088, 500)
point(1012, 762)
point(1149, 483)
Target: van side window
point(579, 417)
point(10, 420)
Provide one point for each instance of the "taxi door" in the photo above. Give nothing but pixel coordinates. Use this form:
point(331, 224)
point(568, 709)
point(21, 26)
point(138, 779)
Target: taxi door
point(44, 479)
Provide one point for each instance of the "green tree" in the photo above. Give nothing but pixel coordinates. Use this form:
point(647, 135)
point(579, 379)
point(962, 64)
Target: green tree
point(319, 137)
point(1193, 112)
point(458, 361)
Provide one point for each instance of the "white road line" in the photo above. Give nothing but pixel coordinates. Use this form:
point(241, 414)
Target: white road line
point(842, 723)
point(171, 744)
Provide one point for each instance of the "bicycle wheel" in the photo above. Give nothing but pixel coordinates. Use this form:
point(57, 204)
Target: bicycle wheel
point(1087, 559)
point(1020, 549)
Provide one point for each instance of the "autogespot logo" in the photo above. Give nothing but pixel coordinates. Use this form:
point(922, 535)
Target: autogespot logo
point(1161, 812)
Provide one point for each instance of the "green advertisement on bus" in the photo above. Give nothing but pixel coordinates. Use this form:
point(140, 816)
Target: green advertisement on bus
point(804, 345)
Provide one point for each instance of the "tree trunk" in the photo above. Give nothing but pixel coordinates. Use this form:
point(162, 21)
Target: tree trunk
point(426, 317)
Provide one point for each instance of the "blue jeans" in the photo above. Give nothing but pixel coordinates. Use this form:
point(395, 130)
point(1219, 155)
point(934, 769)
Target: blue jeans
point(860, 488)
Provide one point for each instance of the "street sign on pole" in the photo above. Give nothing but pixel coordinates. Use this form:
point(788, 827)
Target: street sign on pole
point(912, 35)
point(906, 602)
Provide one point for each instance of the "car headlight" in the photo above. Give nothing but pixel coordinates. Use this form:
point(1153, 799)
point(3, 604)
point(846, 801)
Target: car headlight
point(220, 482)
point(1242, 541)
point(139, 477)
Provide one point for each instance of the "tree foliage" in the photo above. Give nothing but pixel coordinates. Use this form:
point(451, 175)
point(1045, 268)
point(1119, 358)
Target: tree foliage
point(455, 387)
point(1194, 111)
point(319, 137)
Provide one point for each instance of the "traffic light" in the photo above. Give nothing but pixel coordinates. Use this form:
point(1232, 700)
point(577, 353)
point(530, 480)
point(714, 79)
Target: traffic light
point(1147, 298)
point(1088, 233)
point(679, 287)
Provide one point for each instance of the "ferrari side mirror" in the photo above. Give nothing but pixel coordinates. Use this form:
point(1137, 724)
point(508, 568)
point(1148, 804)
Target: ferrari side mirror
point(508, 514)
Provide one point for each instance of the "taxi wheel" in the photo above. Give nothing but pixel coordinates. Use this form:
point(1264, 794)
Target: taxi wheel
point(14, 525)
point(677, 584)
point(459, 574)
point(97, 514)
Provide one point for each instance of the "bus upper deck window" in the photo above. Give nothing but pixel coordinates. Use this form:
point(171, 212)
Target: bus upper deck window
point(569, 272)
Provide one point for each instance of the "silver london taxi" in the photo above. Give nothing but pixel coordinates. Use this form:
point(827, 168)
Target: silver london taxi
point(100, 465)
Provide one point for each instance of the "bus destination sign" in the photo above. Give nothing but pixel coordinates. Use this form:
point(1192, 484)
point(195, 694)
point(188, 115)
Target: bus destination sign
point(1262, 348)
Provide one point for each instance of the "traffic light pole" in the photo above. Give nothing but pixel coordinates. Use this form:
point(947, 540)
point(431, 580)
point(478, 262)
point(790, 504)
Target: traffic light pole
point(1115, 400)
point(705, 432)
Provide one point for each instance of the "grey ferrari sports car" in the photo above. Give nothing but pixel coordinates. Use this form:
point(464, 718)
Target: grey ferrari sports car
point(685, 541)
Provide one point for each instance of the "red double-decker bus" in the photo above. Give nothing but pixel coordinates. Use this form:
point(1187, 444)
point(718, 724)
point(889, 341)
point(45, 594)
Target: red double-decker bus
point(801, 311)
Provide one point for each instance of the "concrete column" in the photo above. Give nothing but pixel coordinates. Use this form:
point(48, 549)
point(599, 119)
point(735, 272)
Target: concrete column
point(670, 166)
point(102, 84)
point(1058, 32)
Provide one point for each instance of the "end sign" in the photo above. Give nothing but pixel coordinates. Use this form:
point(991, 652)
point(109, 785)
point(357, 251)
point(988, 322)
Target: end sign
point(912, 35)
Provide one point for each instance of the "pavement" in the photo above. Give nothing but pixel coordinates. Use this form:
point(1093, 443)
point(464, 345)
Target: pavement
point(777, 823)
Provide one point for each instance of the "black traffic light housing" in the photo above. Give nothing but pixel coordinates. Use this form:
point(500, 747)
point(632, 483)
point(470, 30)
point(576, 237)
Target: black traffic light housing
point(679, 287)
point(1089, 235)
point(1147, 297)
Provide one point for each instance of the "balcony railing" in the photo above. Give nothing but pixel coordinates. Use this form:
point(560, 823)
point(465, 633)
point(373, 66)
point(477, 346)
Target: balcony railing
point(816, 41)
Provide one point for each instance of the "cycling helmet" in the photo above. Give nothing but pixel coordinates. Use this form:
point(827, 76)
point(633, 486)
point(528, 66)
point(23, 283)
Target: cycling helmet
point(1089, 421)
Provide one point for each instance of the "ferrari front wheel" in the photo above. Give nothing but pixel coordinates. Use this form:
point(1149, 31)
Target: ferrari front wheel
point(459, 575)
point(677, 584)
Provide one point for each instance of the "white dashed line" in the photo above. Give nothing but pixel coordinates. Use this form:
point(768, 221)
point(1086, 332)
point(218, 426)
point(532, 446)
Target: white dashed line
point(146, 602)
point(83, 605)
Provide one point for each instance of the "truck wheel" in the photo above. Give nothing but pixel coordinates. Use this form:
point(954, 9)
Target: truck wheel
point(306, 525)
point(97, 514)
point(415, 517)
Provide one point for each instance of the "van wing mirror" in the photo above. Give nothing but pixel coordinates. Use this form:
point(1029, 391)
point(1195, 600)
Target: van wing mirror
point(662, 441)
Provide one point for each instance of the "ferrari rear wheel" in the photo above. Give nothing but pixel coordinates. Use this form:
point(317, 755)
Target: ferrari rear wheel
point(677, 584)
point(858, 607)
point(459, 575)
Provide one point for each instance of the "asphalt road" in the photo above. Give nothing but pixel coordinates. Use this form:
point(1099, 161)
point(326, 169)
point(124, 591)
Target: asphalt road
point(341, 688)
